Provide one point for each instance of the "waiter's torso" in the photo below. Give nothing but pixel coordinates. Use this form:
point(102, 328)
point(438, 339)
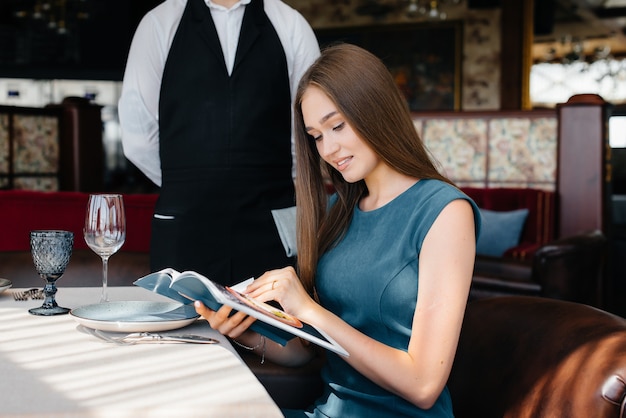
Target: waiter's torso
point(225, 142)
point(237, 120)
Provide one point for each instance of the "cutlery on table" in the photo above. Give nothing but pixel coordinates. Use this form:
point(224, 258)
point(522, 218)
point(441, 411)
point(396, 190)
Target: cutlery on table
point(144, 337)
point(26, 294)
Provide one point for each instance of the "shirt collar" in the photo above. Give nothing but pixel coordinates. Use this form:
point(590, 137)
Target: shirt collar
point(241, 3)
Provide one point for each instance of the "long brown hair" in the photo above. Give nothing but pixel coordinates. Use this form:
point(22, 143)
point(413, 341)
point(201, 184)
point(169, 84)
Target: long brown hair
point(366, 95)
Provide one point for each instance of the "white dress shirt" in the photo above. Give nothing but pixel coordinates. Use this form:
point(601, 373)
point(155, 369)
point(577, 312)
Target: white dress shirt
point(139, 102)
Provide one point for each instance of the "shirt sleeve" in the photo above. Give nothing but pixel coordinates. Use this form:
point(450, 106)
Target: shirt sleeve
point(300, 46)
point(139, 100)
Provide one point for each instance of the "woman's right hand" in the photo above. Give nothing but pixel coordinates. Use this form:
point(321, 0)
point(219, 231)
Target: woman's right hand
point(232, 326)
point(235, 327)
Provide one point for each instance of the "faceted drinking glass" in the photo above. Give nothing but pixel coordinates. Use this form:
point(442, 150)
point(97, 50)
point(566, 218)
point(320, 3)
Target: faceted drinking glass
point(51, 251)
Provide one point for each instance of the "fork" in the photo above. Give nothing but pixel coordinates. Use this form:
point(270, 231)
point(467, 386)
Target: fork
point(20, 295)
point(33, 293)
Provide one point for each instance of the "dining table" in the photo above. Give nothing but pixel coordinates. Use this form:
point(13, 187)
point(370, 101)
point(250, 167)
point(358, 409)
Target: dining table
point(54, 366)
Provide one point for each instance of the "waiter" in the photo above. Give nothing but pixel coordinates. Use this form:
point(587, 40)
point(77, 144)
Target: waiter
point(205, 112)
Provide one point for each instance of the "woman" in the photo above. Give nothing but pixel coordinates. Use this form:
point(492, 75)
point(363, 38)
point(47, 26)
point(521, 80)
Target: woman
point(385, 266)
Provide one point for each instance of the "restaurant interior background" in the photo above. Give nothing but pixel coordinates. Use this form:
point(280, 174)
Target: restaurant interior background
point(483, 56)
point(52, 49)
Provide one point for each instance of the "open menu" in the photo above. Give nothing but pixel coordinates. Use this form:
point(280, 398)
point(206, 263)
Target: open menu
point(274, 323)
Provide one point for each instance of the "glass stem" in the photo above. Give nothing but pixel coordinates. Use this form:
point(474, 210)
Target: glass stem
point(105, 271)
point(49, 290)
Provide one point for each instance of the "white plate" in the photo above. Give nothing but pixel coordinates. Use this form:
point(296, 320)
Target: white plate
point(5, 284)
point(135, 316)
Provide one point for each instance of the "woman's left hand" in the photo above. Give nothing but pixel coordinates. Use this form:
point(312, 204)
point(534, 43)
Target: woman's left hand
point(283, 286)
point(224, 320)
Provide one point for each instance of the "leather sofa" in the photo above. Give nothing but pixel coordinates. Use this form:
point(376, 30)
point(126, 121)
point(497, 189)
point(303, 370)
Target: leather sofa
point(540, 225)
point(568, 268)
point(522, 356)
point(518, 357)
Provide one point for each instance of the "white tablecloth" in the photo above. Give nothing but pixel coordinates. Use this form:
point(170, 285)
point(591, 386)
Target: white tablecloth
point(49, 368)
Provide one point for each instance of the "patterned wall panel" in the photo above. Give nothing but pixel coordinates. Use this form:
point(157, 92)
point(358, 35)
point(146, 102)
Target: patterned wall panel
point(494, 151)
point(29, 149)
point(522, 152)
point(35, 144)
point(459, 146)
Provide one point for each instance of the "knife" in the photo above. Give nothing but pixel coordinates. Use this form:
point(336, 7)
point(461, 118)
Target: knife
point(140, 337)
point(187, 338)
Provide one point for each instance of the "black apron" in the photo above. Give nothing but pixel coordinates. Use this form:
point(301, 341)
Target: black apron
point(225, 147)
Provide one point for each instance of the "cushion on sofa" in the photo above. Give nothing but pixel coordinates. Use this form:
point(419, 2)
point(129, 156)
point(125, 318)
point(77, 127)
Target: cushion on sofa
point(539, 228)
point(500, 231)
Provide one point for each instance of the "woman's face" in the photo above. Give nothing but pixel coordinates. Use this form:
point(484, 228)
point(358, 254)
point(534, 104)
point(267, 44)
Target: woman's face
point(336, 141)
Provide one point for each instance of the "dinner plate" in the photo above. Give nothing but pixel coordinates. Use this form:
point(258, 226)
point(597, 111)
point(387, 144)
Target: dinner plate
point(135, 316)
point(5, 284)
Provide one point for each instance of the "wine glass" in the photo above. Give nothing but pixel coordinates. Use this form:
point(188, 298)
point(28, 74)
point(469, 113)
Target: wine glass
point(51, 251)
point(105, 229)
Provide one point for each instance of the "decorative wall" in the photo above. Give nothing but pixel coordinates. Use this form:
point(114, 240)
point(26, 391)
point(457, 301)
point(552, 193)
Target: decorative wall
point(29, 149)
point(478, 146)
point(480, 72)
point(494, 150)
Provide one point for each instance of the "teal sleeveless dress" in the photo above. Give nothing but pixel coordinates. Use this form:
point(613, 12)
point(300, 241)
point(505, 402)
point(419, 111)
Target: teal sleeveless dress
point(370, 280)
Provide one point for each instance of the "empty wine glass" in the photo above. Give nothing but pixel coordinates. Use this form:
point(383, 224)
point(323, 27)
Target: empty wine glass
point(51, 251)
point(105, 229)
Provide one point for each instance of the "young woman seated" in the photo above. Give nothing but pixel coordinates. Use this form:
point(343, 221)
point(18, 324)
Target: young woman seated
point(385, 264)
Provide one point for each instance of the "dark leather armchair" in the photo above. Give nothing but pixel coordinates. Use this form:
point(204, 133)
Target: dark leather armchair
point(518, 357)
point(569, 268)
point(536, 357)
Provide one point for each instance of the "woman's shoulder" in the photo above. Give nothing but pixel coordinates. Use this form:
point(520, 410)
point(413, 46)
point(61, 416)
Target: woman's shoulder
point(438, 194)
point(437, 188)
